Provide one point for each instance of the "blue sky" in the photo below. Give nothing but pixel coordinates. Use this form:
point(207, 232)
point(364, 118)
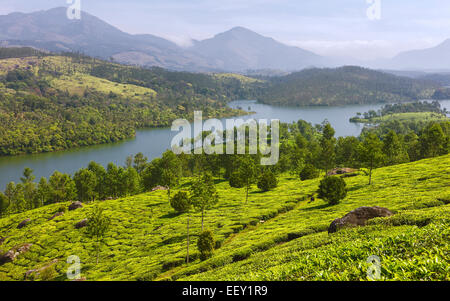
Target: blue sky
point(328, 27)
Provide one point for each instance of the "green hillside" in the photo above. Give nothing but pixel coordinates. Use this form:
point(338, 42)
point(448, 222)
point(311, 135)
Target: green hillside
point(343, 86)
point(277, 235)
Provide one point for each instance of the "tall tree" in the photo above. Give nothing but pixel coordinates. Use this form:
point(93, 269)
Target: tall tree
point(393, 149)
point(97, 226)
point(140, 161)
point(370, 153)
point(100, 174)
point(433, 141)
point(85, 181)
point(4, 204)
point(171, 170)
point(62, 188)
point(204, 194)
point(327, 144)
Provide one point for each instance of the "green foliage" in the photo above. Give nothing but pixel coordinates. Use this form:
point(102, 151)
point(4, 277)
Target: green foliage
point(267, 181)
point(206, 244)
point(85, 181)
point(309, 172)
point(291, 244)
point(204, 194)
point(370, 153)
point(180, 202)
point(97, 226)
point(332, 189)
point(236, 180)
point(345, 85)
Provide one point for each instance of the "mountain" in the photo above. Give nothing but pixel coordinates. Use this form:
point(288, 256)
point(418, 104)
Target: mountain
point(241, 49)
point(436, 58)
point(52, 30)
point(236, 50)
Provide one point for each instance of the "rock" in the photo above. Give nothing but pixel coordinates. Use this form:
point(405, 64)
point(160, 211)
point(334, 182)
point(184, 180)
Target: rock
point(340, 171)
point(75, 205)
point(23, 223)
point(12, 254)
point(358, 217)
point(159, 188)
point(56, 215)
point(81, 224)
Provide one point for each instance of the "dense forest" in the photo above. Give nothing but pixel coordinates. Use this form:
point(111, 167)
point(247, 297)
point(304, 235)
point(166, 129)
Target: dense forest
point(54, 103)
point(345, 85)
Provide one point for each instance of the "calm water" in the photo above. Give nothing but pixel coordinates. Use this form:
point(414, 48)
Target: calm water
point(153, 142)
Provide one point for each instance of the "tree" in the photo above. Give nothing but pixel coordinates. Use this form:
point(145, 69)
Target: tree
point(131, 181)
point(206, 244)
point(171, 170)
point(267, 181)
point(332, 189)
point(236, 180)
point(29, 187)
point(97, 226)
point(370, 153)
point(43, 192)
point(15, 196)
point(140, 161)
point(113, 181)
point(4, 204)
point(393, 149)
point(309, 172)
point(62, 188)
point(180, 202)
point(204, 194)
point(347, 151)
point(247, 170)
point(85, 181)
point(432, 141)
point(100, 174)
point(327, 144)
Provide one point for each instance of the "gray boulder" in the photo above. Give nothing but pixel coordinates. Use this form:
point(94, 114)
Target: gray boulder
point(358, 217)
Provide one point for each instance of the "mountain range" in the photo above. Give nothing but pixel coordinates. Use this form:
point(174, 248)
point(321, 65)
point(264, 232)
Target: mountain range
point(236, 50)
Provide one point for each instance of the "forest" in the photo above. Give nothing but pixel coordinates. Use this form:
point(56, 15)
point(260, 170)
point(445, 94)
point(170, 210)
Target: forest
point(305, 152)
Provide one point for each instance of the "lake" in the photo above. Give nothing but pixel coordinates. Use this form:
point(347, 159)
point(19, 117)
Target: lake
point(153, 142)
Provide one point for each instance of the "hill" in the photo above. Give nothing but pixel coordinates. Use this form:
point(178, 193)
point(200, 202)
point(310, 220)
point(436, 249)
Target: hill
point(55, 102)
point(344, 85)
point(435, 58)
point(278, 235)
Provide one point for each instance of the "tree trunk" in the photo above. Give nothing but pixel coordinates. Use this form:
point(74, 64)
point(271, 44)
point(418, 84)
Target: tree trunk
point(202, 219)
point(98, 251)
point(187, 257)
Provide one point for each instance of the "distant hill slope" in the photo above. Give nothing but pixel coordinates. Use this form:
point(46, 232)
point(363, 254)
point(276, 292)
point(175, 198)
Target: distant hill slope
point(345, 85)
point(147, 240)
point(435, 58)
point(240, 49)
point(236, 50)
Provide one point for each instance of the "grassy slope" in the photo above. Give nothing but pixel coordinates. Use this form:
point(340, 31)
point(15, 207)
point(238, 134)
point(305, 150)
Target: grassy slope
point(147, 241)
point(420, 116)
point(76, 80)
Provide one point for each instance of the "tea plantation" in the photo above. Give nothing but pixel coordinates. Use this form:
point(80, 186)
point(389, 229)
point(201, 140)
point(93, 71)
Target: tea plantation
point(277, 235)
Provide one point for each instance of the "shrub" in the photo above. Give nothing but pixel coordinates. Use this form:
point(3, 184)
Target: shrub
point(267, 181)
point(236, 180)
point(309, 172)
point(332, 189)
point(206, 244)
point(180, 202)
point(61, 209)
